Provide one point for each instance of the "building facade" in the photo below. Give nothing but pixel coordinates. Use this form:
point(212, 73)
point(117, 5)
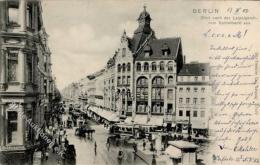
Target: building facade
point(26, 83)
point(194, 96)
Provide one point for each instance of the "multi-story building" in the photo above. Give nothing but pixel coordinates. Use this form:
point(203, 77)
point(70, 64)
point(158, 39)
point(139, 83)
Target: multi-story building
point(146, 72)
point(109, 85)
point(95, 89)
point(194, 96)
point(124, 61)
point(26, 84)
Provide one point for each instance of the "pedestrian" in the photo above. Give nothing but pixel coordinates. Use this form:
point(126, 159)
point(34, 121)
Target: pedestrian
point(46, 155)
point(95, 148)
point(144, 144)
point(108, 143)
point(54, 146)
point(120, 156)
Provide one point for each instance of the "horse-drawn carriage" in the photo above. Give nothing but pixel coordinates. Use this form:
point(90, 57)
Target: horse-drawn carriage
point(82, 130)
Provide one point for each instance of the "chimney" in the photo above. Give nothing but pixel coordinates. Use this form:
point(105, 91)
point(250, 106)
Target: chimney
point(184, 59)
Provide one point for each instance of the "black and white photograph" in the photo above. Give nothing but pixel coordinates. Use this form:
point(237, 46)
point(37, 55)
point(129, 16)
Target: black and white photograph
point(131, 82)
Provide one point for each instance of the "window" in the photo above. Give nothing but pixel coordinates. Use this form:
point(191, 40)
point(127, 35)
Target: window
point(142, 93)
point(187, 89)
point(119, 80)
point(180, 100)
point(29, 68)
point(128, 67)
point(123, 80)
point(158, 81)
point(29, 16)
point(187, 100)
point(154, 67)
point(146, 54)
point(195, 114)
point(12, 127)
point(146, 66)
point(165, 53)
point(202, 90)
point(170, 80)
point(12, 65)
point(180, 89)
point(170, 94)
point(157, 93)
point(142, 88)
point(161, 66)
point(202, 114)
point(118, 68)
point(180, 113)
point(142, 81)
point(170, 66)
point(123, 52)
point(128, 80)
point(202, 100)
point(123, 67)
point(195, 78)
point(203, 78)
point(138, 67)
point(187, 113)
point(13, 14)
point(195, 89)
point(195, 100)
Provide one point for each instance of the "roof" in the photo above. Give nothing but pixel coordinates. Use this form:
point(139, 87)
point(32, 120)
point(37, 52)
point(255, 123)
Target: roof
point(157, 46)
point(194, 69)
point(182, 144)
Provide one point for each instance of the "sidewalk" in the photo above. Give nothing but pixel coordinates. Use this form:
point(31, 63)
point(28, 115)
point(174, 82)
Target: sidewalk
point(53, 159)
point(147, 155)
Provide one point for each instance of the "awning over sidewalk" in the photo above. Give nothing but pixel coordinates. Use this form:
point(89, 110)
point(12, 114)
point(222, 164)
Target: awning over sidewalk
point(108, 115)
point(143, 120)
point(173, 152)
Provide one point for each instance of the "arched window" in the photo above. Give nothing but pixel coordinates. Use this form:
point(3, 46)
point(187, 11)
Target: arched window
point(170, 66)
point(142, 81)
point(170, 80)
point(119, 68)
point(158, 81)
point(161, 66)
point(154, 67)
point(128, 67)
point(146, 66)
point(138, 67)
point(123, 67)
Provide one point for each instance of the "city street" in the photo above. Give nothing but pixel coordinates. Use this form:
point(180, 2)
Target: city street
point(85, 149)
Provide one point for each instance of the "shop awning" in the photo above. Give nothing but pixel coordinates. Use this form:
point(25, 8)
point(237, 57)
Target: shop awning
point(108, 115)
point(173, 152)
point(143, 120)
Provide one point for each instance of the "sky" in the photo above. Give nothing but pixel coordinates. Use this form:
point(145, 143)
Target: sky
point(84, 34)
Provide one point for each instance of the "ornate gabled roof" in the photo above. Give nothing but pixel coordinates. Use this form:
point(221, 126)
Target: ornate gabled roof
point(156, 45)
point(194, 69)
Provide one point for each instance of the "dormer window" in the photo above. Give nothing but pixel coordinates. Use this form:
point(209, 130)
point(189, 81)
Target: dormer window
point(147, 51)
point(165, 50)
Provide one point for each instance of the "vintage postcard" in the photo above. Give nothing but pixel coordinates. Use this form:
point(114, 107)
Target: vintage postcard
point(109, 82)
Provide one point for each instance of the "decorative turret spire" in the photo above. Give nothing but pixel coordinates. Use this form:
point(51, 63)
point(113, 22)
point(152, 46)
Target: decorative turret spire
point(143, 31)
